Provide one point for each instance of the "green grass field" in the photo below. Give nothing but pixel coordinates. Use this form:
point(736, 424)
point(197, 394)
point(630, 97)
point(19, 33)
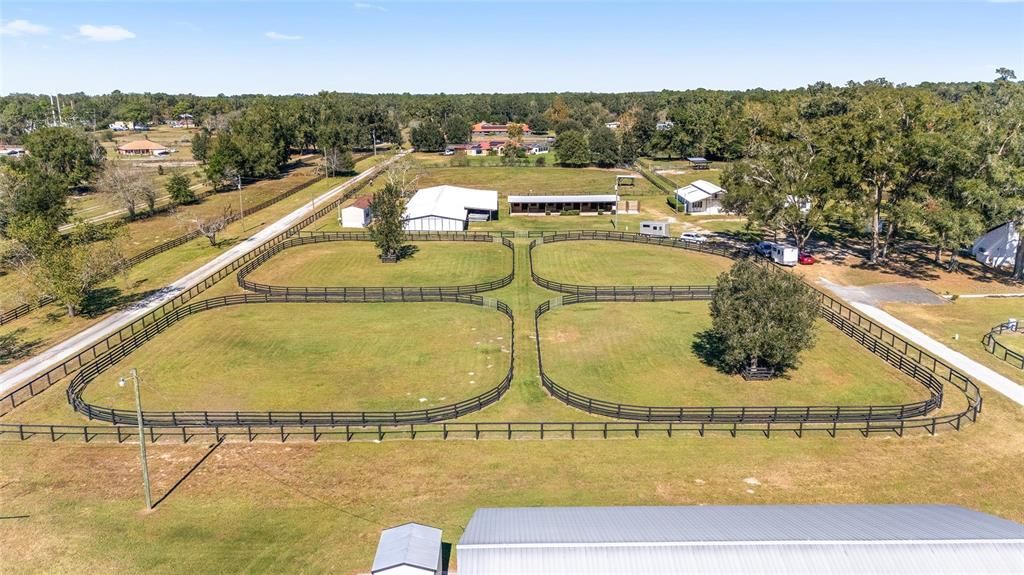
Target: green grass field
point(620, 263)
point(356, 264)
point(641, 353)
point(318, 357)
point(74, 507)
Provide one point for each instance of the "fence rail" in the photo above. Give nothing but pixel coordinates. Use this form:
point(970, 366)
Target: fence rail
point(924, 368)
point(342, 293)
point(500, 430)
point(23, 393)
point(993, 346)
point(203, 418)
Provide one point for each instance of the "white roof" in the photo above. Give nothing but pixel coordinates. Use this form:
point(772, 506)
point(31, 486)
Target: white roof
point(410, 544)
point(751, 539)
point(565, 198)
point(450, 202)
point(697, 191)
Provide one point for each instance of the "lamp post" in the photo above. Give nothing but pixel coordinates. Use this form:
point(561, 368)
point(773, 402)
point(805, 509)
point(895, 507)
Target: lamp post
point(142, 435)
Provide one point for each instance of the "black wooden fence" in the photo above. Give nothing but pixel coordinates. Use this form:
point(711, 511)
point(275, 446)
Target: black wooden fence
point(916, 363)
point(256, 418)
point(21, 394)
point(361, 293)
point(999, 350)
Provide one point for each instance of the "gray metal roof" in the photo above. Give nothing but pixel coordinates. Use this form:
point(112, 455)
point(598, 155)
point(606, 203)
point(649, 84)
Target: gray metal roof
point(898, 539)
point(410, 544)
point(565, 198)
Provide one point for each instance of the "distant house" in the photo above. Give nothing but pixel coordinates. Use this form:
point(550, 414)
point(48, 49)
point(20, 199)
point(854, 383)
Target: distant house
point(536, 149)
point(612, 125)
point(183, 121)
point(484, 148)
point(142, 148)
point(357, 215)
point(12, 151)
point(664, 125)
point(128, 127)
point(488, 129)
point(449, 208)
point(410, 549)
point(998, 247)
point(701, 197)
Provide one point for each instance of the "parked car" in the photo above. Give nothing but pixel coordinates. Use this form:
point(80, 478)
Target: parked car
point(693, 237)
point(805, 259)
point(764, 248)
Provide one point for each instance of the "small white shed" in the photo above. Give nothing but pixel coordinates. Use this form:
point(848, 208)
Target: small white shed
point(409, 549)
point(998, 247)
point(357, 215)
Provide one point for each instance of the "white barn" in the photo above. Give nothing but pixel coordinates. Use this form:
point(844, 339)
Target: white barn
point(701, 197)
point(449, 208)
point(998, 247)
point(357, 215)
point(410, 549)
point(747, 539)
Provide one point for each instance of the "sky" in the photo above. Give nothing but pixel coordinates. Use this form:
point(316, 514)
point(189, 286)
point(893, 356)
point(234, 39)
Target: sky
point(285, 47)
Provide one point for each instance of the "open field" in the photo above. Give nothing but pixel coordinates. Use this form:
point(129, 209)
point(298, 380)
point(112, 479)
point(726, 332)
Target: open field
point(355, 263)
point(318, 357)
point(643, 354)
point(267, 507)
point(619, 263)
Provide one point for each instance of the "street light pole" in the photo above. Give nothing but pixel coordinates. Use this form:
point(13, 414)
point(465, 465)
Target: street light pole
point(142, 436)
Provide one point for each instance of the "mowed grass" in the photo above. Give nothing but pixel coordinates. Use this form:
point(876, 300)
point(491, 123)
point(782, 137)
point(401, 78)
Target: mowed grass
point(642, 353)
point(621, 263)
point(317, 357)
point(355, 263)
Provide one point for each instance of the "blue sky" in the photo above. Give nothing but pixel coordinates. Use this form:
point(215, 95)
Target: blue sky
point(239, 46)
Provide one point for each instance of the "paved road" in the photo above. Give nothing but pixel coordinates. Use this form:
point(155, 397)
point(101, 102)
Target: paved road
point(54, 356)
point(976, 371)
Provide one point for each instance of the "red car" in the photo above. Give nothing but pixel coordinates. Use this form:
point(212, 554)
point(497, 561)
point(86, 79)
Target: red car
point(806, 259)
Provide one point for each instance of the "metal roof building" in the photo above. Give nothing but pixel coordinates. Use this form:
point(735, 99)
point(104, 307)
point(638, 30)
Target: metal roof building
point(448, 208)
point(748, 540)
point(409, 549)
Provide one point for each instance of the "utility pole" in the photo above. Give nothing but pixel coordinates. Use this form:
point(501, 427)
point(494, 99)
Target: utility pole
point(374, 132)
point(53, 111)
point(142, 436)
point(241, 205)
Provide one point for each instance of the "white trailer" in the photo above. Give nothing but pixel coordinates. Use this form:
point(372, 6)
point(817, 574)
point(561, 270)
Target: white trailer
point(784, 255)
point(659, 229)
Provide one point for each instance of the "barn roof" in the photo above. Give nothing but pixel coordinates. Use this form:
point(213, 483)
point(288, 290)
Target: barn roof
point(361, 203)
point(698, 190)
point(410, 544)
point(450, 202)
point(141, 145)
point(562, 198)
point(836, 539)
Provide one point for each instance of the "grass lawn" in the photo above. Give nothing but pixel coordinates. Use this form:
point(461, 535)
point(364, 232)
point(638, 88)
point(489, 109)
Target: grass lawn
point(318, 357)
point(621, 263)
point(356, 264)
point(641, 353)
point(968, 319)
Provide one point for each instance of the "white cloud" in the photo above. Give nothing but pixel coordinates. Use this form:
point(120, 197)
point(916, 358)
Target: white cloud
point(21, 28)
point(279, 36)
point(104, 33)
point(366, 6)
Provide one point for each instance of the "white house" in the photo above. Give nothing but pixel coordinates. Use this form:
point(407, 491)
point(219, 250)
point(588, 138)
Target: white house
point(998, 247)
point(701, 197)
point(410, 549)
point(449, 208)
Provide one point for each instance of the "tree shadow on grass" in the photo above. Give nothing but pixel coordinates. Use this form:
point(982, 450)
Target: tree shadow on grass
point(13, 347)
point(708, 347)
point(407, 251)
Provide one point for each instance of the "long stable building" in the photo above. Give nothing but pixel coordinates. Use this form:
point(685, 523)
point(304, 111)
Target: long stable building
point(748, 540)
point(547, 205)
